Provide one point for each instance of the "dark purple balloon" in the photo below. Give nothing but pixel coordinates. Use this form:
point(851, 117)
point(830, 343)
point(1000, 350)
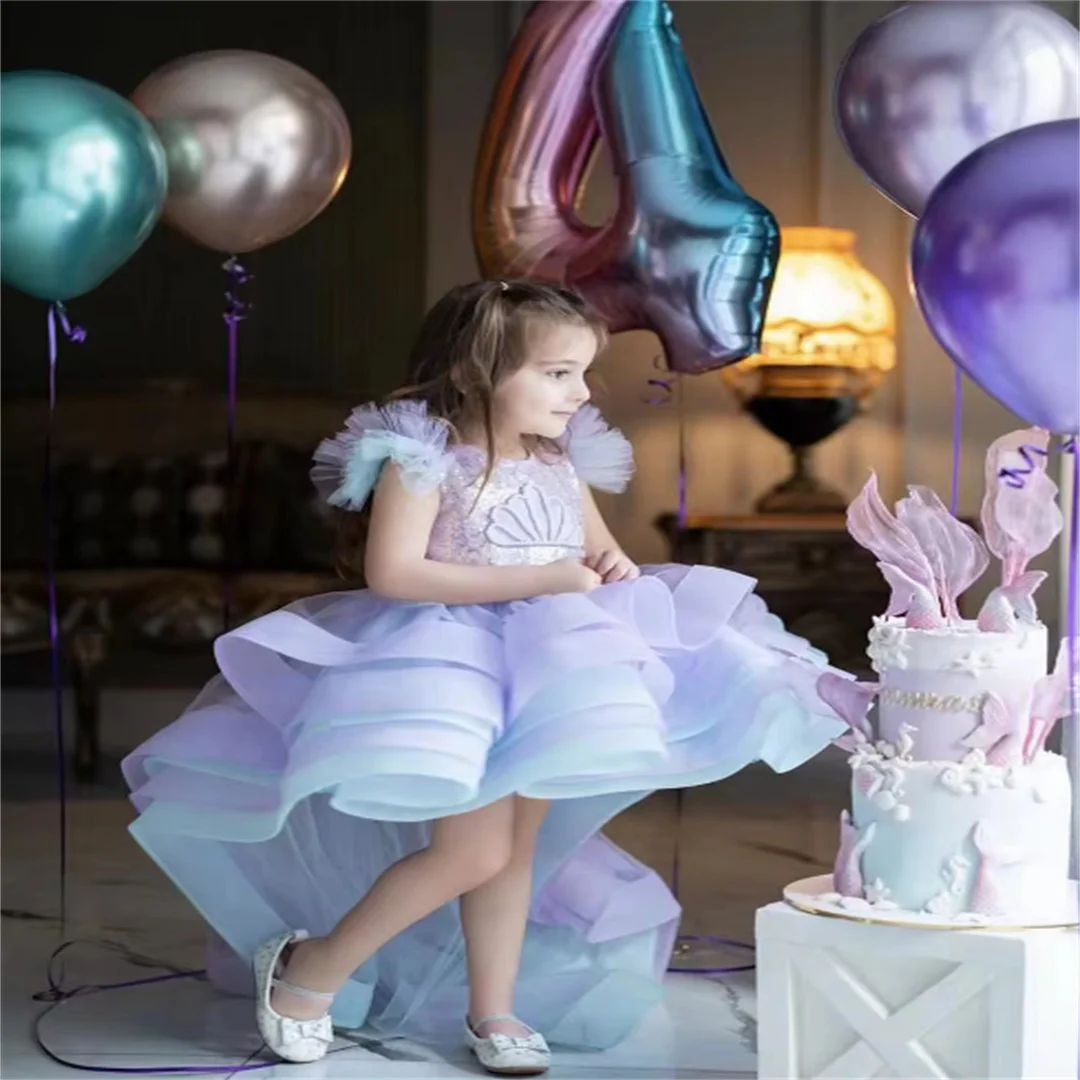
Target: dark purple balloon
point(996, 269)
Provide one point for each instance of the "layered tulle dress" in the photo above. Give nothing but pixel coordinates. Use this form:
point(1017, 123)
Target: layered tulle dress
point(342, 726)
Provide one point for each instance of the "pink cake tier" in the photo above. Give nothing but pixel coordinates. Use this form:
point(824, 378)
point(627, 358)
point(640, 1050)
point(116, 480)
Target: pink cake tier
point(936, 682)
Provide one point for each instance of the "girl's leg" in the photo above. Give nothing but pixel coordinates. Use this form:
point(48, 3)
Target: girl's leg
point(465, 850)
point(493, 917)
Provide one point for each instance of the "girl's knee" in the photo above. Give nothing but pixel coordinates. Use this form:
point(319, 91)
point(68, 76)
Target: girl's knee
point(475, 857)
point(486, 861)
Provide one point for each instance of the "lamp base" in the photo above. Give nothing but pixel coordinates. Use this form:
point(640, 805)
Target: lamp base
point(802, 492)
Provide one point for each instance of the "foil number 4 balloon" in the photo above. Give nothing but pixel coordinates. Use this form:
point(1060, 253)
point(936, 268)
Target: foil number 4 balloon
point(687, 253)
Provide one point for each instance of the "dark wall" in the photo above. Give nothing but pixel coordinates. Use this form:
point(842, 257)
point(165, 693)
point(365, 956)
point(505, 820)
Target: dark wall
point(338, 302)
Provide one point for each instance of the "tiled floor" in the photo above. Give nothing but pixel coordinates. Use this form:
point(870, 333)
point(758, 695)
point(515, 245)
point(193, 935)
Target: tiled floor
point(740, 843)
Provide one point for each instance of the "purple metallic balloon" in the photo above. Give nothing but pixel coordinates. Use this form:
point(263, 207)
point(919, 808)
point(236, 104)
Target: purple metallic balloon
point(930, 82)
point(996, 269)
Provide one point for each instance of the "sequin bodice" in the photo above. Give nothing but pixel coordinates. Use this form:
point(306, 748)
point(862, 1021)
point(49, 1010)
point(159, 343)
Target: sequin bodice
point(527, 514)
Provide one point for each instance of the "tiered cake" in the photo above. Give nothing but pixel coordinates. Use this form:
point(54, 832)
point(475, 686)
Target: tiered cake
point(958, 812)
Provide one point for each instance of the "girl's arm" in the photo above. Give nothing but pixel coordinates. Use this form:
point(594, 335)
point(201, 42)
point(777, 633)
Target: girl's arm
point(396, 564)
point(602, 551)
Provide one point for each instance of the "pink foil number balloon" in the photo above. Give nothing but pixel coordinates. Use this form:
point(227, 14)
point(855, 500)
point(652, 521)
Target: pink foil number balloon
point(687, 254)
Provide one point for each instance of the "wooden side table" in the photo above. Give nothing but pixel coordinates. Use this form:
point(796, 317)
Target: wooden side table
point(809, 571)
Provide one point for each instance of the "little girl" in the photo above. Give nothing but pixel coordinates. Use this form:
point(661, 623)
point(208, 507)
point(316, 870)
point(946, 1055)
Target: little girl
point(417, 773)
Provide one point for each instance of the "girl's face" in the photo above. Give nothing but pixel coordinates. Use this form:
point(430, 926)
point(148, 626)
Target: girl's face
point(549, 387)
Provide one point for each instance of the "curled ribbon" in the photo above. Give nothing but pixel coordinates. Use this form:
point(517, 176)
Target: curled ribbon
point(236, 310)
point(76, 335)
point(1015, 476)
point(669, 389)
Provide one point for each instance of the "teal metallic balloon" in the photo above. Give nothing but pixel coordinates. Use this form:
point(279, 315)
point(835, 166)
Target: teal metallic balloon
point(82, 182)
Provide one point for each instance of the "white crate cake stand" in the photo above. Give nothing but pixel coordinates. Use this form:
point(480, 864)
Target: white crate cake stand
point(840, 998)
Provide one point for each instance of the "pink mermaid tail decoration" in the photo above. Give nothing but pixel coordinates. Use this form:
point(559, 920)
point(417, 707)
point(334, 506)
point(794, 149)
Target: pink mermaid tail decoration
point(873, 527)
point(921, 606)
point(927, 556)
point(955, 552)
point(1020, 515)
point(1049, 704)
point(847, 872)
point(993, 858)
point(1010, 605)
point(850, 700)
point(1000, 733)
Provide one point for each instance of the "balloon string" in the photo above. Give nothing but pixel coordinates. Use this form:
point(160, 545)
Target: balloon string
point(1073, 589)
point(1016, 477)
point(682, 451)
point(77, 335)
point(236, 311)
point(668, 388)
point(672, 387)
point(680, 798)
point(957, 427)
point(57, 995)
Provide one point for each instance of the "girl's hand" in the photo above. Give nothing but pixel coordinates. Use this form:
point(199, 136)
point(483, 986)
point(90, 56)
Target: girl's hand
point(570, 576)
point(612, 564)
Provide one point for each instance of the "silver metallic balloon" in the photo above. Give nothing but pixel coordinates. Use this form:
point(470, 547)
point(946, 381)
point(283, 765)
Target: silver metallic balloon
point(256, 146)
point(930, 82)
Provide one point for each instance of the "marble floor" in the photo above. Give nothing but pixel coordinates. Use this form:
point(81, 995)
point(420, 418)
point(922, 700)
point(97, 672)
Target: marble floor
point(740, 842)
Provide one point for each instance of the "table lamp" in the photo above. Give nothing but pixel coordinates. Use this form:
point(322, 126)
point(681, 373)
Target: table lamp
point(828, 341)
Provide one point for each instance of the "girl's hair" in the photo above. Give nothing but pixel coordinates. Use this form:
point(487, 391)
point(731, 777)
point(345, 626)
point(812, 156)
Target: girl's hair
point(470, 341)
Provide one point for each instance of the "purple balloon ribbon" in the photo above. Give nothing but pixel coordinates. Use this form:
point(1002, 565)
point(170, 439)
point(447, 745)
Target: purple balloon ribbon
point(680, 796)
point(76, 335)
point(670, 388)
point(1014, 477)
point(56, 996)
point(236, 310)
point(957, 438)
point(1073, 588)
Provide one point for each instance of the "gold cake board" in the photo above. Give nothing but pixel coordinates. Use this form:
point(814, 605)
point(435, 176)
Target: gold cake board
point(807, 895)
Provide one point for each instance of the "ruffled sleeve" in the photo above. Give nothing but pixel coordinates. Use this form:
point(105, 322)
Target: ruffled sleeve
point(347, 466)
point(602, 455)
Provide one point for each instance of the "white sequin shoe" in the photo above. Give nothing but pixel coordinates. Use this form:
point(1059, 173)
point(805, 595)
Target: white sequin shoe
point(292, 1040)
point(509, 1055)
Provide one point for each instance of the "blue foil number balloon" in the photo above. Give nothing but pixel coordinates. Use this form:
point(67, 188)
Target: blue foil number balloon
point(82, 183)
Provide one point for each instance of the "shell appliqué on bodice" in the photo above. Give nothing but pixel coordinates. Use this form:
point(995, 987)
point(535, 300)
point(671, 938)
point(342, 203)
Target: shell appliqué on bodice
point(532, 519)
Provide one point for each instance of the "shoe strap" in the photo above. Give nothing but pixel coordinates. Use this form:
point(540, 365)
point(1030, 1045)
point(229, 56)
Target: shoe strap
point(292, 988)
point(474, 1024)
point(300, 991)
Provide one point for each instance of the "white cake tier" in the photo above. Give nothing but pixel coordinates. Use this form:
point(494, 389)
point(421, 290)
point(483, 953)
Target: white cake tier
point(950, 838)
point(935, 681)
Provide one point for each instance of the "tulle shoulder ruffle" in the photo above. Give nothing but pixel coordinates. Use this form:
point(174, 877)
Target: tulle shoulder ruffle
point(601, 454)
point(347, 466)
